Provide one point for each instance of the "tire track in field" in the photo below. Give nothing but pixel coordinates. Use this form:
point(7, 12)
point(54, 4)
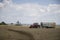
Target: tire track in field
point(28, 35)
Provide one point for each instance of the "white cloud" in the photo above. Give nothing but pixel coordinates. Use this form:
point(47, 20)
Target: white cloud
point(30, 11)
point(5, 3)
point(1, 5)
point(52, 8)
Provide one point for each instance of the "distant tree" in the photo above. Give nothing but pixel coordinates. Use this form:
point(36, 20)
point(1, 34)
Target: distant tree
point(18, 23)
point(3, 23)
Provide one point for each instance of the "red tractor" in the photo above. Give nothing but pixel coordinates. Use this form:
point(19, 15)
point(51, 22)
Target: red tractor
point(35, 25)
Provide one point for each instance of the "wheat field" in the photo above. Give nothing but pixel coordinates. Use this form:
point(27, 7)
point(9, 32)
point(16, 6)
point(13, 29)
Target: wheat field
point(26, 33)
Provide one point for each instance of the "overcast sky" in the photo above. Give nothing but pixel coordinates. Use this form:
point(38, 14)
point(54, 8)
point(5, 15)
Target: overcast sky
point(30, 11)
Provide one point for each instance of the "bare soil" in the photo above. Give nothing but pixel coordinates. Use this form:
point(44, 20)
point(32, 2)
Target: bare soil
point(25, 33)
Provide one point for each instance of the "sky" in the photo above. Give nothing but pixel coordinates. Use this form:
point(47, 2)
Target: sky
point(30, 11)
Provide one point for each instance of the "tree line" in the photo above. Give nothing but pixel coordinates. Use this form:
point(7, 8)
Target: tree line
point(17, 23)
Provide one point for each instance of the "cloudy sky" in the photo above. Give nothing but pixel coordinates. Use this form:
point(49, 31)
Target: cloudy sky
point(30, 11)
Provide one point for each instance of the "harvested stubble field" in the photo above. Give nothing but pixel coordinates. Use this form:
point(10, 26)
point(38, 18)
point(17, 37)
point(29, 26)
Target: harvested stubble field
point(25, 33)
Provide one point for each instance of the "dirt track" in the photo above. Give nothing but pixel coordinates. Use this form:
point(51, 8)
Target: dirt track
point(23, 35)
